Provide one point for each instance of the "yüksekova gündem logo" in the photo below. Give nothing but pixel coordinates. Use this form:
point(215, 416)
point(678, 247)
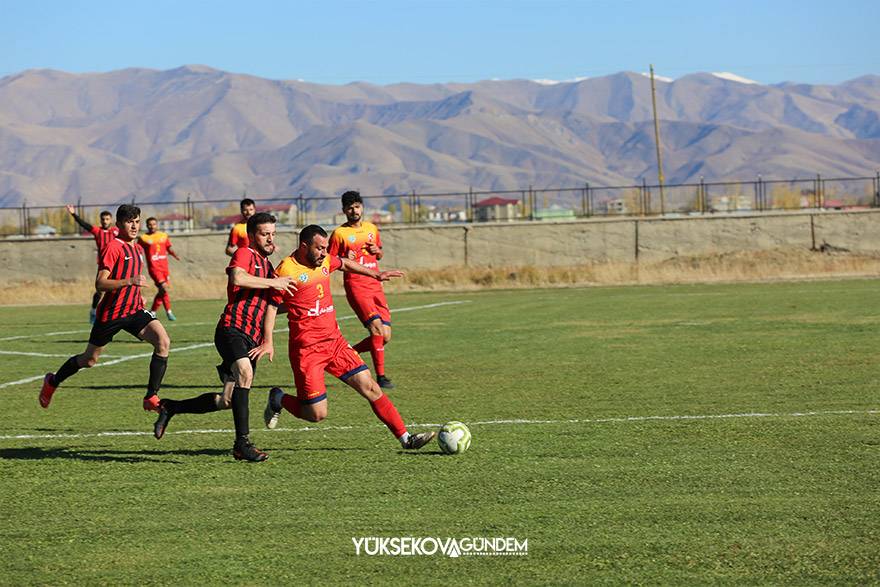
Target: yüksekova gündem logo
point(429, 546)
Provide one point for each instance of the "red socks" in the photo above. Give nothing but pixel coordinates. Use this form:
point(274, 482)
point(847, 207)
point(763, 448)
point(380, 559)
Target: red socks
point(291, 404)
point(161, 300)
point(375, 343)
point(385, 411)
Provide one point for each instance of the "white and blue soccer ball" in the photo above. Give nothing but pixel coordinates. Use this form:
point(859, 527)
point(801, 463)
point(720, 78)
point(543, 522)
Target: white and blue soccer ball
point(454, 438)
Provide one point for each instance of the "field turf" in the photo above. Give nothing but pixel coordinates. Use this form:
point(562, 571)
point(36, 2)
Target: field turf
point(662, 435)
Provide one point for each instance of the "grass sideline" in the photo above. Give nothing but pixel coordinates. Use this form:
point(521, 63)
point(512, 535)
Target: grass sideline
point(772, 499)
point(746, 266)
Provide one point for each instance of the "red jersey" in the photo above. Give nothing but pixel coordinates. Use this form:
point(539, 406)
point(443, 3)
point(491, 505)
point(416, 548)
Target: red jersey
point(310, 311)
point(246, 307)
point(238, 236)
point(123, 260)
point(103, 236)
point(350, 238)
point(156, 247)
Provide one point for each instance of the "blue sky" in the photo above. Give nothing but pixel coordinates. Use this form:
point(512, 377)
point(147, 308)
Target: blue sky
point(385, 42)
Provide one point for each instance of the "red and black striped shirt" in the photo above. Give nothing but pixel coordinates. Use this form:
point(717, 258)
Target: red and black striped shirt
point(123, 260)
point(103, 236)
point(246, 307)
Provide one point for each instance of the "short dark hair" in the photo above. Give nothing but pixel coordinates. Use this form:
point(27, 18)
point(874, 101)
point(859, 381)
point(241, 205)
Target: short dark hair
point(106, 213)
point(258, 219)
point(127, 212)
point(350, 197)
point(307, 234)
point(246, 202)
point(153, 218)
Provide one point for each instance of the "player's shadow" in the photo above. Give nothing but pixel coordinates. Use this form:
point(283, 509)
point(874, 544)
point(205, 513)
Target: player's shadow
point(34, 453)
point(422, 453)
point(137, 387)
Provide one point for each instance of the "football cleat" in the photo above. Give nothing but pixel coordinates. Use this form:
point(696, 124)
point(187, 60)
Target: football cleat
point(151, 403)
point(162, 421)
point(273, 408)
point(417, 441)
point(384, 382)
point(244, 450)
point(171, 315)
point(47, 390)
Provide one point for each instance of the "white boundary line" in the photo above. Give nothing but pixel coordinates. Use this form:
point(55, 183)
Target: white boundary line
point(180, 349)
point(518, 422)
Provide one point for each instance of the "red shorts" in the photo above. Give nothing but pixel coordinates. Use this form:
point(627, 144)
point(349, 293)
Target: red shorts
point(159, 276)
point(368, 305)
point(335, 356)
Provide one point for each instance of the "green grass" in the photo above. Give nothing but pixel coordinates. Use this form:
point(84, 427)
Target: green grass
point(766, 499)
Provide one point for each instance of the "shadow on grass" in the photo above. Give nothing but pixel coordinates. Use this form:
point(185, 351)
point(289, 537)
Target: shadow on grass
point(141, 386)
point(423, 453)
point(119, 456)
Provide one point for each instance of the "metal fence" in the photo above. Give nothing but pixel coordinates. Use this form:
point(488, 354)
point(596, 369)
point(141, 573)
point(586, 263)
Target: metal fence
point(530, 204)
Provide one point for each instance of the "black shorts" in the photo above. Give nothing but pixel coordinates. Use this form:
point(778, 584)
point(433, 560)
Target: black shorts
point(232, 344)
point(103, 332)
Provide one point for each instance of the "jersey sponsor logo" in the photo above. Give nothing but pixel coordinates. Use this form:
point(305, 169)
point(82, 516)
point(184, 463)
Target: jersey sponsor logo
point(352, 238)
point(257, 267)
point(368, 264)
point(325, 271)
point(127, 258)
point(318, 310)
point(303, 277)
point(369, 236)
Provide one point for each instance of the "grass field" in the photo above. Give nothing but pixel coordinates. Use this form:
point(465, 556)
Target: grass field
point(663, 435)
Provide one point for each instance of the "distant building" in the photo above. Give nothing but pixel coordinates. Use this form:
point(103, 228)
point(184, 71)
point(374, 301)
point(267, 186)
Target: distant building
point(496, 209)
point(283, 213)
point(616, 206)
point(730, 203)
point(554, 212)
point(174, 223)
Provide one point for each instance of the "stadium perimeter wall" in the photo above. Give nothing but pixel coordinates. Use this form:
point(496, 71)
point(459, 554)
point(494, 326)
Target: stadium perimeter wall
point(497, 244)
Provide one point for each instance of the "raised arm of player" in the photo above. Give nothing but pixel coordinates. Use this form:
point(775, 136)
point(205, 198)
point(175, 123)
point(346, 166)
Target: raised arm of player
point(86, 226)
point(103, 283)
point(241, 278)
point(350, 266)
point(267, 347)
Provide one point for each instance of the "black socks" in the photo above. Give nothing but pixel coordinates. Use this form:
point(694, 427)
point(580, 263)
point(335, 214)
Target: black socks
point(69, 368)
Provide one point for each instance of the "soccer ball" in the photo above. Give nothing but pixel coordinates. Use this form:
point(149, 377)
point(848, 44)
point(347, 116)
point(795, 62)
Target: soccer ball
point(454, 438)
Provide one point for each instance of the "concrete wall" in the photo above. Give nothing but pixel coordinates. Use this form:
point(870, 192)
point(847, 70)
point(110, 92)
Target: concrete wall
point(498, 244)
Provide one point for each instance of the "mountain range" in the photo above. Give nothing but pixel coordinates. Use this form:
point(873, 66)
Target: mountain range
point(163, 135)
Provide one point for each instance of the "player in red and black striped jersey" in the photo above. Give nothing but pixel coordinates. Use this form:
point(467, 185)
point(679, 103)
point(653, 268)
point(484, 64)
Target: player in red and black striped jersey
point(121, 308)
point(241, 337)
point(103, 234)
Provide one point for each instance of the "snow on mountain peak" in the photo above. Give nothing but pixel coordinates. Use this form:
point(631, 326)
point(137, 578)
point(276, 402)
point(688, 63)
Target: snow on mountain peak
point(733, 77)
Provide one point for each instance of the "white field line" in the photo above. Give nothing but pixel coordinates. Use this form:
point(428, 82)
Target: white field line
point(27, 354)
point(113, 362)
point(173, 350)
point(517, 422)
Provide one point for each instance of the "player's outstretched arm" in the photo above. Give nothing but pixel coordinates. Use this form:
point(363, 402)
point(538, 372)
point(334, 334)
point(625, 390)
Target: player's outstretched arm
point(350, 266)
point(104, 283)
point(88, 227)
point(241, 278)
point(173, 253)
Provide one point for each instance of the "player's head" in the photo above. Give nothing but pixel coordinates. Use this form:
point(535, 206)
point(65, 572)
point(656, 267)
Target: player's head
point(106, 219)
point(152, 225)
point(313, 244)
point(247, 207)
point(128, 221)
point(261, 233)
point(352, 206)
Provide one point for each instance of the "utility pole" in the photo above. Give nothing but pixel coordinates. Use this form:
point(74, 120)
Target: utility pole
point(657, 141)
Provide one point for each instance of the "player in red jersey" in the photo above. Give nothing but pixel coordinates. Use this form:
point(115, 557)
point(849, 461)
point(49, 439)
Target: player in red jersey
point(316, 345)
point(157, 247)
point(359, 241)
point(238, 235)
point(103, 234)
point(241, 336)
point(121, 308)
